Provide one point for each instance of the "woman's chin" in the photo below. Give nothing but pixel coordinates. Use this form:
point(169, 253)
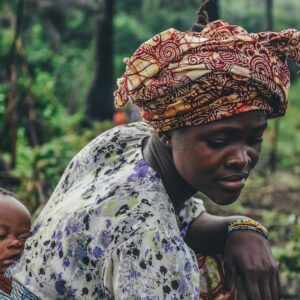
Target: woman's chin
point(224, 203)
point(226, 200)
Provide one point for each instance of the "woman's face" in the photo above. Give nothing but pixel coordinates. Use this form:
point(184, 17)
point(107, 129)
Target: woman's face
point(217, 158)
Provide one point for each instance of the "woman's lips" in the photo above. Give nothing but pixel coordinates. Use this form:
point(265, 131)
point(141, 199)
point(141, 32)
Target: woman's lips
point(233, 183)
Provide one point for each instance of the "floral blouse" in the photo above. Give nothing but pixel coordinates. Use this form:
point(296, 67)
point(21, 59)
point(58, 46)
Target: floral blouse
point(109, 231)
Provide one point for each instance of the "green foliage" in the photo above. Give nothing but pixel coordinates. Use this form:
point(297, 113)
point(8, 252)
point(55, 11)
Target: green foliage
point(129, 34)
point(249, 14)
point(178, 14)
point(131, 7)
point(45, 164)
point(3, 93)
point(288, 149)
point(286, 14)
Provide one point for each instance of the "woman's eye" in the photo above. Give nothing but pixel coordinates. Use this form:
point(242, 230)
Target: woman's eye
point(257, 140)
point(215, 143)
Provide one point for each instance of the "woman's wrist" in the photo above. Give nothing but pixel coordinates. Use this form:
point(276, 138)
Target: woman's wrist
point(208, 233)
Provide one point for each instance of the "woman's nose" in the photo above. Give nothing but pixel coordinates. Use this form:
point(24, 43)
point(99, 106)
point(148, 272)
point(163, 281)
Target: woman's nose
point(239, 158)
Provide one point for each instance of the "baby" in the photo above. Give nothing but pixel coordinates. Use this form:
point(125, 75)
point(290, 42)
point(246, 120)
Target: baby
point(15, 223)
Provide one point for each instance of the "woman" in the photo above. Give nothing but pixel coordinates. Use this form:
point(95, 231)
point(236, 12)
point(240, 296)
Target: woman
point(122, 221)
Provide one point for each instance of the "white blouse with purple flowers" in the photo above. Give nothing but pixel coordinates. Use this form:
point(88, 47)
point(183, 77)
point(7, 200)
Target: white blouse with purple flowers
point(109, 231)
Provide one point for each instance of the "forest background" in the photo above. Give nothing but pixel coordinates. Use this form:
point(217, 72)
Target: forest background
point(59, 61)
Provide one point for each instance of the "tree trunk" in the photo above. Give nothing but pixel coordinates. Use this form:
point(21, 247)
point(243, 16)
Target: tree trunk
point(100, 98)
point(275, 136)
point(269, 15)
point(11, 115)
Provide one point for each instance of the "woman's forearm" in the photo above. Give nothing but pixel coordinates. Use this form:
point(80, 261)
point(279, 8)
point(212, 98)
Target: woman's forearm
point(207, 234)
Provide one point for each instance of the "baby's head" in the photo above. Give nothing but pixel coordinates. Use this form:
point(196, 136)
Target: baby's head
point(15, 223)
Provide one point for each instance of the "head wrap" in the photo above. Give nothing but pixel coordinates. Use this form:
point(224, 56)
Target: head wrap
point(182, 79)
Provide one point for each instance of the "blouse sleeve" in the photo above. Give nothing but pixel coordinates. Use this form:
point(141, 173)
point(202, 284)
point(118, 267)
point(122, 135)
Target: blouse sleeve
point(153, 265)
point(192, 209)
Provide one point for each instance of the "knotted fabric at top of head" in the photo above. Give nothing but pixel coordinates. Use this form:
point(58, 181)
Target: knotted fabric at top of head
point(182, 79)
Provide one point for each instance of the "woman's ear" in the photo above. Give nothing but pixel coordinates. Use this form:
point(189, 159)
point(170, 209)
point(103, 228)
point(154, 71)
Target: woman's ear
point(165, 138)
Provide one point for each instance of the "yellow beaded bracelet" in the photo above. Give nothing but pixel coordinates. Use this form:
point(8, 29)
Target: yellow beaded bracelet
point(248, 224)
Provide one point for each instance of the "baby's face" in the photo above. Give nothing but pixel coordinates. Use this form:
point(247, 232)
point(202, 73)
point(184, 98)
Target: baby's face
point(15, 223)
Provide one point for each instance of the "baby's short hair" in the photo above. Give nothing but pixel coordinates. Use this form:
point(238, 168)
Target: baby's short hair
point(5, 192)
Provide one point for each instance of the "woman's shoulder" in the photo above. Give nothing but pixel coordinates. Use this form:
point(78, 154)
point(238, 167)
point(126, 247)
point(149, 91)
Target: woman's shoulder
point(113, 143)
point(123, 135)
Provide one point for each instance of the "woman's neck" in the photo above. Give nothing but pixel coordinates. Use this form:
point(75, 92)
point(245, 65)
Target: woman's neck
point(159, 157)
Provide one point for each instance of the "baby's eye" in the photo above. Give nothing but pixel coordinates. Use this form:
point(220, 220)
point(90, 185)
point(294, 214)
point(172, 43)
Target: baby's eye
point(2, 237)
point(24, 236)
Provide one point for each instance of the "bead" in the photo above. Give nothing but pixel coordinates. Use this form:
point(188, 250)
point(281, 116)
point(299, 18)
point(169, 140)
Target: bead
point(248, 224)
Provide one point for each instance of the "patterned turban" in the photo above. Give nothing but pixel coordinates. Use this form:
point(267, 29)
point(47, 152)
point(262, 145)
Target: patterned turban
point(182, 79)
